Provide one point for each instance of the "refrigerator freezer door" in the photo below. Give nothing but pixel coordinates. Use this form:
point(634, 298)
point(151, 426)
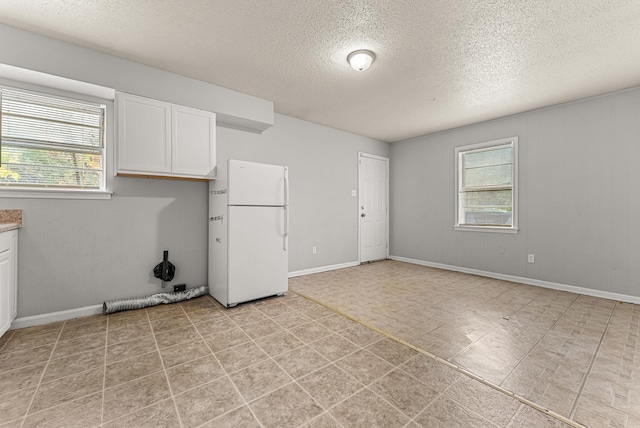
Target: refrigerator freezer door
point(256, 184)
point(258, 261)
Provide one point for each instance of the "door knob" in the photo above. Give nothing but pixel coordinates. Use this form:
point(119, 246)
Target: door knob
point(363, 215)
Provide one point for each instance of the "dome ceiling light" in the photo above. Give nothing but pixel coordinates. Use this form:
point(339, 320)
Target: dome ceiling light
point(360, 60)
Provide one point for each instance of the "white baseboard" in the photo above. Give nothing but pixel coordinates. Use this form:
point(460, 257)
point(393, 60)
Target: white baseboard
point(97, 309)
point(529, 281)
point(55, 316)
point(322, 269)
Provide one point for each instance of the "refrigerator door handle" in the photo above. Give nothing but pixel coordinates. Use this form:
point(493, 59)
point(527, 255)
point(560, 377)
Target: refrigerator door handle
point(286, 208)
point(286, 186)
point(286, 228)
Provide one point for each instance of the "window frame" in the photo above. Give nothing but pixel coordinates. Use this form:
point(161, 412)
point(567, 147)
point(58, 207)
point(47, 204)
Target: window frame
point(459, 152)
point(43, 192)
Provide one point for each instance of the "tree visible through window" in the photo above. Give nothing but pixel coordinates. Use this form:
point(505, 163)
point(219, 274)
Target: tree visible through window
point(50, 142)
point(486, 184)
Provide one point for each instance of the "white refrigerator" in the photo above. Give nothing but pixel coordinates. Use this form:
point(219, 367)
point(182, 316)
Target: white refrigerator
point(248, 232)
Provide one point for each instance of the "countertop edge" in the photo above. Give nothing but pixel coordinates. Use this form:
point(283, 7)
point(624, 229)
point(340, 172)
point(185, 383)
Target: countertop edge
point(6, 227)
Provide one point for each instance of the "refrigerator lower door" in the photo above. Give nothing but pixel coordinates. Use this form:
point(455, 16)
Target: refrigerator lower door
point(258, 259)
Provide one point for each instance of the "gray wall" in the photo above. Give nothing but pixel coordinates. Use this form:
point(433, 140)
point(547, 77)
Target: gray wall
point(75, 253)
point(578, 200)
point(323, 170)
point(30, 51)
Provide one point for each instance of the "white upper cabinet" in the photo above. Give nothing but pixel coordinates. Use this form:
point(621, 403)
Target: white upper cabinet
point(144, 135)
point(162, 139)
point(193, 136)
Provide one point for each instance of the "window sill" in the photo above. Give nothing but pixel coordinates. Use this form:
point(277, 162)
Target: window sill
point(54, 193)
point(493, 229)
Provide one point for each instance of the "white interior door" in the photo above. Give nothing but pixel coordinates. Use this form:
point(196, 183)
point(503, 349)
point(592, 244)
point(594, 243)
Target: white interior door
point(373, 184)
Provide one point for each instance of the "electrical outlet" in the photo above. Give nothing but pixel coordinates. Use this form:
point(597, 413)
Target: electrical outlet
point(531, 258)
point(313, 250)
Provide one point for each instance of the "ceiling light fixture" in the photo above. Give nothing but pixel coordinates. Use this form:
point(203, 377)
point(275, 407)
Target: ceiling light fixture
point(361, 60)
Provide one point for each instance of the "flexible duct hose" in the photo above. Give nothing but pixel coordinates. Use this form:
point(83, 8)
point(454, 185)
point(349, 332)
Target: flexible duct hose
point(156, 299)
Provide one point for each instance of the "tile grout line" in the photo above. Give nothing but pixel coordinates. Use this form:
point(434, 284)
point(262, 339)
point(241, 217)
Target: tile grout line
point(541, 338)
point(457, 368)
point(448, 388)
point(104, 380)
point(104, 369)
point(363, 385)
point(147, 321)
point(506, 317)
point(592, 362)
point(367, 387)
point(9, 335)
point(293, 380)
point(42, 375)
point(315, 418)
point(473, 343)
point(226, 373)
point(164, 369)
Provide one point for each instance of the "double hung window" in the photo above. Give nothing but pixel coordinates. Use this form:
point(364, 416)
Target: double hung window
point(51, 142)
point(486, 177)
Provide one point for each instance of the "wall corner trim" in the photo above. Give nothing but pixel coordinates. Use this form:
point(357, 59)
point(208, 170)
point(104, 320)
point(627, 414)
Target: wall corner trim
point(529, 281)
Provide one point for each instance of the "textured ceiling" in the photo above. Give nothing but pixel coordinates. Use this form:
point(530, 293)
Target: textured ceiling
point(439, 64)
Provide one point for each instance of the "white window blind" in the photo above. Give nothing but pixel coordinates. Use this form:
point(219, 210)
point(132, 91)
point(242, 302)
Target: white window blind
point(487, 184)
point(50, 142)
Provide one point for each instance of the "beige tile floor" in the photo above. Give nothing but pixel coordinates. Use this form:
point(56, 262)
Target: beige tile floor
point(290, 362)
point(574, 355)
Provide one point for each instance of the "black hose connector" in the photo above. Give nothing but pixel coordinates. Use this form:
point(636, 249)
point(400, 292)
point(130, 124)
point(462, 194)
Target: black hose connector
point(164, 270)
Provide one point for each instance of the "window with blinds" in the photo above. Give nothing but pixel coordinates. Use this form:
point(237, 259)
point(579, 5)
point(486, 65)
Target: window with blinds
point(486, 184)
point(50, 142)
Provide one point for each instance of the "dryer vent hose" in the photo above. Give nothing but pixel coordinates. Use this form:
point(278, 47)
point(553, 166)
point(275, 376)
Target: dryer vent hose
point(156, 299)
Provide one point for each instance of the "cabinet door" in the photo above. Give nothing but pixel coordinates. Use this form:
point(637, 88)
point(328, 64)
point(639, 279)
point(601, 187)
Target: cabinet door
point(193, 145)
point(13, 289)
point(5, 287)
point(144, 135)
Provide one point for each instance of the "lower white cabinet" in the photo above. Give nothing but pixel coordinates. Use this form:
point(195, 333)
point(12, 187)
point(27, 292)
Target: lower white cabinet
point(8, 279)
point(162, 139)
